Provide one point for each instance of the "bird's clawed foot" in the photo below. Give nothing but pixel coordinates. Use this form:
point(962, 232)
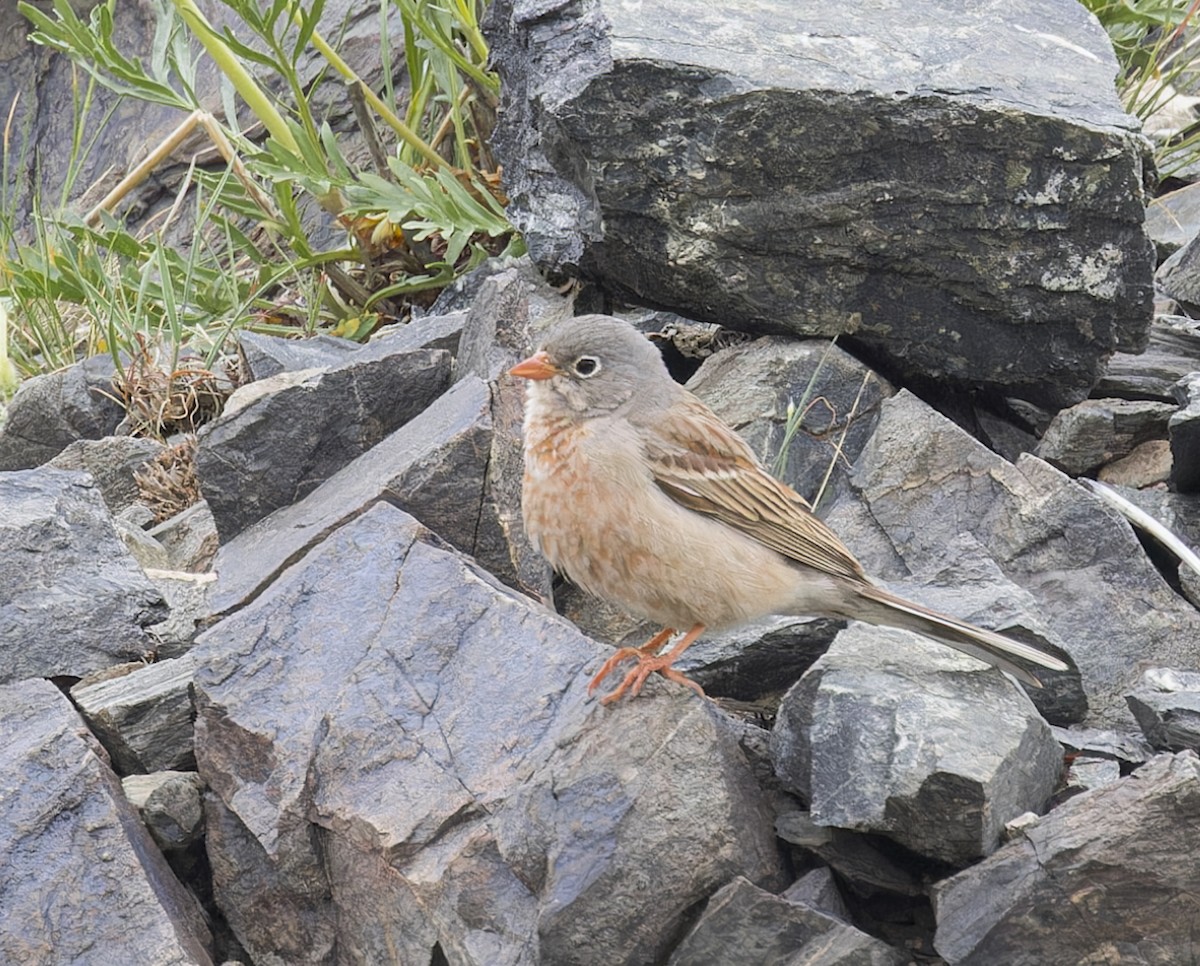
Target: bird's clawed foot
point(648, 661)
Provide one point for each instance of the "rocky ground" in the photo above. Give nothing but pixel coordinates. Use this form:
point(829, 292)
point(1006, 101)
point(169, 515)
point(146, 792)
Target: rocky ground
point(298, 690)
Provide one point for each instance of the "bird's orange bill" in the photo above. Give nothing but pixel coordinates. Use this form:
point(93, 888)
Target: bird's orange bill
point(537, 366)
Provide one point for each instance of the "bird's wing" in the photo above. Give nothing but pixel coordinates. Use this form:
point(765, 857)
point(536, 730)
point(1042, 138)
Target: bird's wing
point(703, 465)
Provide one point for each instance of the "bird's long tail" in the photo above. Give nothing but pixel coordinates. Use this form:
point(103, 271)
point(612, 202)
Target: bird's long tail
point(882, 607)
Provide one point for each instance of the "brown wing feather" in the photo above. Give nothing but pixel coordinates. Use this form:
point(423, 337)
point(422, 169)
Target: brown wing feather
point(703, 465)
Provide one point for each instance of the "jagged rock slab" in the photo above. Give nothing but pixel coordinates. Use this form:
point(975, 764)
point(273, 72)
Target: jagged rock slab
point(1172, 353)
point(950, 189)
point(280, 438)
point(170, 805)
point(112, 461)
point(189, 538)
point(1096, 431)
point(1173, 219)
point(1166, 703)
point(51, 412)
point(263, 356)
point(440, 331)
point(745, 924)
point(144, 718)
point(891, 734)
point(432, 467)
point(1128, 750)
point(80, 879)
point(403, 756)
point(74, 600)
point(921, 482)
point(1184, 431)
point(751, 386)
point(858, 859)
point(1112, 875)
point(1146, 465)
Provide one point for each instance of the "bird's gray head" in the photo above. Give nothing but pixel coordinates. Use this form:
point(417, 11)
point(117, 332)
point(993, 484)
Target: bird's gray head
point(595, 364)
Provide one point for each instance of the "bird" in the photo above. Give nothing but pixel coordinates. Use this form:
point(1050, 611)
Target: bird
point(643, 497)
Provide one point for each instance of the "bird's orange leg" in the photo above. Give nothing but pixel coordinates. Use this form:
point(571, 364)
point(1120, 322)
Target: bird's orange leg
point(648, 663)
point(649, 649)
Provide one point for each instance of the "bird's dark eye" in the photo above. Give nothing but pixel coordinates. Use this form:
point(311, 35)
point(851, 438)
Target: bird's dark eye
point(586, 366)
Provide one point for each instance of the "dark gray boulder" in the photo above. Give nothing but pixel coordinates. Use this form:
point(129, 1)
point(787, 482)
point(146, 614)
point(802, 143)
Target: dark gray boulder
point(1184, 430)
point(81, 881)
point(892, 734)
point(403, 756)
point(953, 189)
point(280, 438)
point(1166, 703)
point(113, 461)
point(1112, 875)
point(73, 598)
point(1172, 353)
point(1096, 431)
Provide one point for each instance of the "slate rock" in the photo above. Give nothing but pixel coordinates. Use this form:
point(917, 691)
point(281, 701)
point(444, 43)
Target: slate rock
point(143, 718)
point(1112, 875)
point(1146, 465)
point(402, 755)
point(891, 734)
point(1096, 431)
point(1184, 430)
point(946, 200)
point(170, 805)
point(280, 438)
point(1128, 750)
point(921, 482)
point(52, 411)
point(750, 386)
point(440, 331)
point(818, 889)
point(858, 859)
point(1173, 219)
point(81, 881)
point(1173, 352)
point(112, 462)
point(189, 538)
point(1166, 703)
point(74, 599)
point(263, 356)
point(433, 467)
point(743, 923)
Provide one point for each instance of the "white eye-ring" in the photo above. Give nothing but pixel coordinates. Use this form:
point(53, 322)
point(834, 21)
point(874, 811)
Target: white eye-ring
point(586, 366)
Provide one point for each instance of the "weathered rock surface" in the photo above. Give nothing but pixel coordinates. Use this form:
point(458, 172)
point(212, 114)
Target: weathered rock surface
point(1173, 219)
point(280, 438)
point(1112, 875)
point(1166, 703)
point(856, 858)
point(745, 924)
point(948, 188)
point(751, 386)
point(922, 482)
point(73, 599)
point(111, 461)
point(143, 718)
point(51, 412)
point(1173, 352)
point(169, 803)
point(1097, 431)
point(445, 782)
point(1184, 429)
point(874, 738)
point(80, 879)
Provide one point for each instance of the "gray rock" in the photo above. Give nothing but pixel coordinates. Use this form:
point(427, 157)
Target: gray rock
point(189, 596)
point(143, 718)
point(926, 184)
point(1166, 703)
point(1184, 429)
point(189, 538)
point(280, 438)
point(856, 858)
point(818, 890)
point(921, 482)
point(403, 754)
point(80, 879)
point(891, 734)
point(1129, 750)
point(1177, 278)
point(745, 924)
point(1088, 773)
point(1097, 431)
point(112, 461)
point(1173, 219)
point(1172, 353)
point(750, 386)
point(432, 467)
point(442, 331)
point(1112, 875)
point(1146, 465)
point(169, 803)
point(148, 552)
point(51, 412)
point(263, 356)
point(74, 600)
